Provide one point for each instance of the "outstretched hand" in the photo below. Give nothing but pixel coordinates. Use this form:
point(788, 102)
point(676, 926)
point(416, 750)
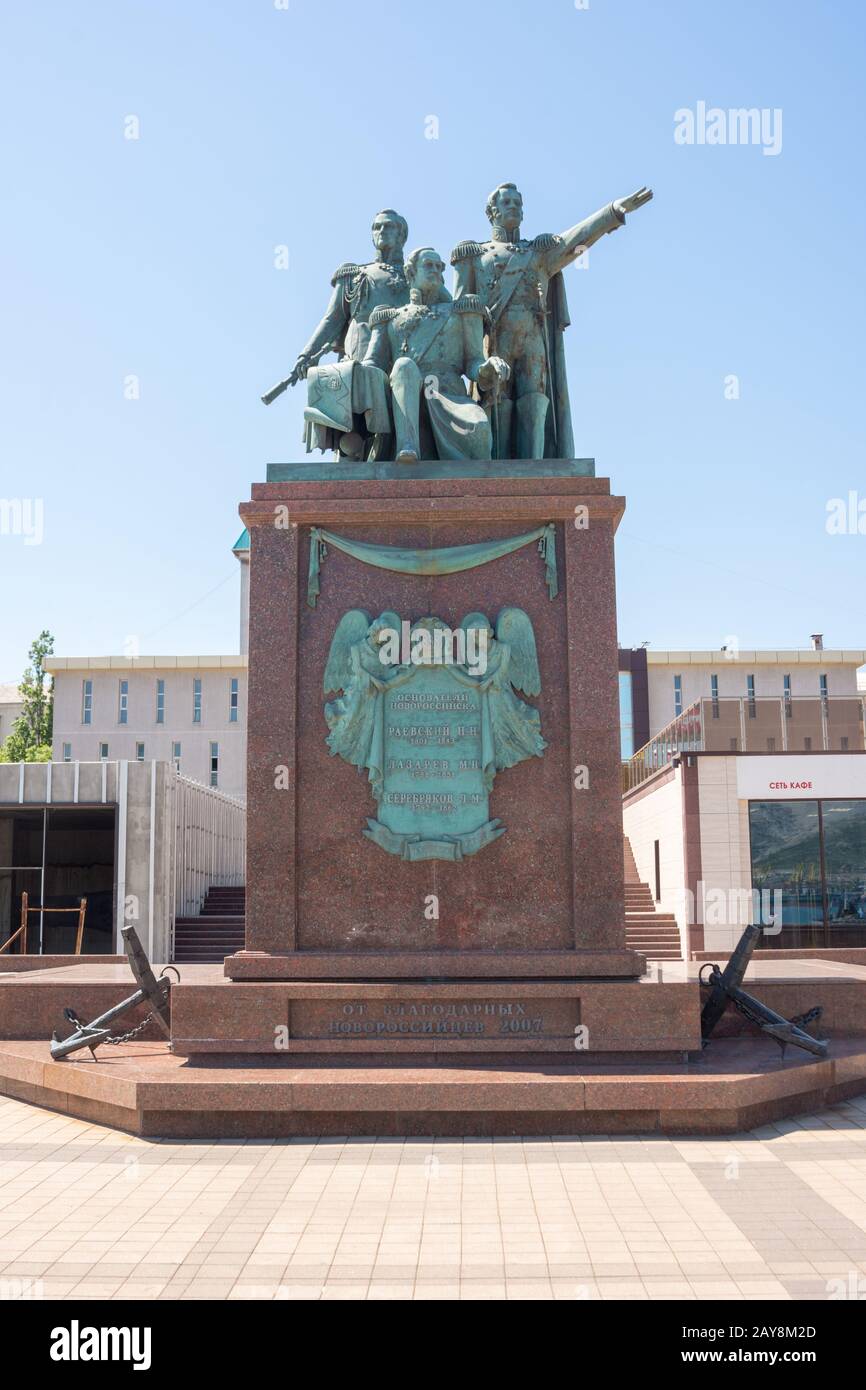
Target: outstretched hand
point(634, 200)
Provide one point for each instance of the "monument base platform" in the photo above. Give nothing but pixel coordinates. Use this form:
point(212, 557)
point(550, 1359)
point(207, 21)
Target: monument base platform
point(143, 1089)
point(441, 1017)
point(536, 1083)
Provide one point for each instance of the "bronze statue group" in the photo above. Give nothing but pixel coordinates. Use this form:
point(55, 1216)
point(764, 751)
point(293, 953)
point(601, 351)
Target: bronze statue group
point(406, 348)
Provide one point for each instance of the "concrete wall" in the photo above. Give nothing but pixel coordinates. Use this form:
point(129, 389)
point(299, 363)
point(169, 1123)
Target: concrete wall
point(142, 674)
point(726, 870)
point(142, 794)
point(653, 813)
point(719, 898)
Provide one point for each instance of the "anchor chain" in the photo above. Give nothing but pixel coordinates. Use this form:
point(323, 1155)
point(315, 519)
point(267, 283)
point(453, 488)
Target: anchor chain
point(133, 1032)
point(747, 1012)
point(115, 1037)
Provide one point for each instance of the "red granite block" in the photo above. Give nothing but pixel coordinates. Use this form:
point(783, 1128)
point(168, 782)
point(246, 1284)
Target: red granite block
point(553, 882)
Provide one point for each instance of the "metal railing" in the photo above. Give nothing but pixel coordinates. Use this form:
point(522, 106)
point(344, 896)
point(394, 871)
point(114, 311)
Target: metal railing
point(763, 724)
point(209, 845)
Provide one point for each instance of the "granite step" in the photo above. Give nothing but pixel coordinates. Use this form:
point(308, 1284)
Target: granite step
point(636, 918)
point(147, 1090)
point(218, 931)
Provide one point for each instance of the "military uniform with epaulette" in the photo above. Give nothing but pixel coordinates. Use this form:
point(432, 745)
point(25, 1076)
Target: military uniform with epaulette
point(357, 291)
point(425, 351)
point(340, 413)
point(521, 287)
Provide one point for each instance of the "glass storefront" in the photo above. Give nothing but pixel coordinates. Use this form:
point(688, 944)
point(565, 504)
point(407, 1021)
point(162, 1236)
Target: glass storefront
point(814, 854)
point(845, 868)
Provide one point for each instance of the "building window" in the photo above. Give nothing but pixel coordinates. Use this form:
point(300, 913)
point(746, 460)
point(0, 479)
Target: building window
point(214, 764)
point(160, 702)
point(844, 743)
point(87, 702)
point(733, 745)
point(771, 745)
point(139, 752)
point(626, 716)
point(678, 695)
point(750, 695)
point(825, 693)
point(789, 709)
point(67, 752)
point(103, 752)
point(196, 700)
point(714, 692)
point(175, 753)
point(807, 744)
point(233, 701)
point(123, 703)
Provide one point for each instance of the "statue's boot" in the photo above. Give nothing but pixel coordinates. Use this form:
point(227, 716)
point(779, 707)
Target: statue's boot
point(503, 411)
point(531, 420)
point(406, 384)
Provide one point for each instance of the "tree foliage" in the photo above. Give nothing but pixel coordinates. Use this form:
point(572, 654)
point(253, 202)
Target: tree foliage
point(30, 738)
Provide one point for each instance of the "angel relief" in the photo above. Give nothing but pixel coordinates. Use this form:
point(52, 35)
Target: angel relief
point(432, 715)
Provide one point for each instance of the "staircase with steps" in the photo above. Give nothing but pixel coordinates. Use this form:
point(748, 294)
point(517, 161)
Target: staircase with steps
point(654, 933)
point(217, 932)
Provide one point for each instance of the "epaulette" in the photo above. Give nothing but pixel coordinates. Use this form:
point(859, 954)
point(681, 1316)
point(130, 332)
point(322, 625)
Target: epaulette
point(469, 304)
point(545, 241)
point(382, 315)
point(342, 272)
point(463, 250)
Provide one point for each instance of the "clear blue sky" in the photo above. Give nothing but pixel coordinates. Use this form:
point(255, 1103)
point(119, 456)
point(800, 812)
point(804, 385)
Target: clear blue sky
point(263, 126)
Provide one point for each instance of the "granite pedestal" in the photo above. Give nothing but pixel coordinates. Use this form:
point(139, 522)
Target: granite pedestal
point(519, 947)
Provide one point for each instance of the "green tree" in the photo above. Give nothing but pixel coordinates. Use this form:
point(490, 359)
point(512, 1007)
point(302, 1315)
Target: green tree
point(30, 738)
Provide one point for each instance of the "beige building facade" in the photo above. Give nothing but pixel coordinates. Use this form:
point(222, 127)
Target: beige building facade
point(676, 680)
point(185, 710)
point(190, 711)
point(11, 708)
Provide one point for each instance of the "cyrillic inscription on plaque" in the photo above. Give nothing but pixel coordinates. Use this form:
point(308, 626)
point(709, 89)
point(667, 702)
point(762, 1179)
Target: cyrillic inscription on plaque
point(429, 1019)
point(434, 760)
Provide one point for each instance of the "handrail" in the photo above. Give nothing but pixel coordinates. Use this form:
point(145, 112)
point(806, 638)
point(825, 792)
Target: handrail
point(686, 733)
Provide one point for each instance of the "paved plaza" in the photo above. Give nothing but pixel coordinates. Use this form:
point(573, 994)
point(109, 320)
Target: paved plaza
point(777, 1213)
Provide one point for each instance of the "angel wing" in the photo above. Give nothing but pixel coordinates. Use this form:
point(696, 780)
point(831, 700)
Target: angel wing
point(515, 627)
point(351, 628)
